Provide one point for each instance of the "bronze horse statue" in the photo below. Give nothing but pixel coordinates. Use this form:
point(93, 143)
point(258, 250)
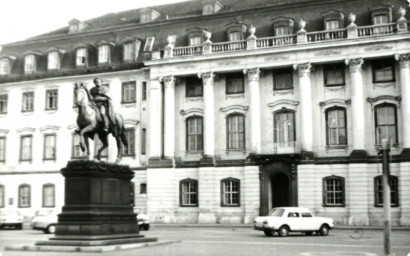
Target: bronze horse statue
point(89, 122)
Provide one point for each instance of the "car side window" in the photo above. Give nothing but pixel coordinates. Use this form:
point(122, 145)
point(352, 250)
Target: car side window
point(306, 215)
point(293, 215)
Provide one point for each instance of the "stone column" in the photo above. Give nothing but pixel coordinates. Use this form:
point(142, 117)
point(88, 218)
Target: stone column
point(405, 101)
point(255, 112)
point(155, 120)
point(209, 116)
point(358, 104)
point(306, 107)
point(169, 117)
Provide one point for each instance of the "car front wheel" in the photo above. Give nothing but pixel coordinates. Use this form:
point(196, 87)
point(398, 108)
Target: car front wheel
point(283, 231)
point(324, 230)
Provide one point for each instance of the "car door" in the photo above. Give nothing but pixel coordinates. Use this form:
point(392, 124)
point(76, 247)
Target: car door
point(293, 220)
point(308, 221)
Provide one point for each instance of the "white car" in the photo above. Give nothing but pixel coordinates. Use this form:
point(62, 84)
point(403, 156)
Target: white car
point(45, 221)
point(11, 218)
point(292, 219)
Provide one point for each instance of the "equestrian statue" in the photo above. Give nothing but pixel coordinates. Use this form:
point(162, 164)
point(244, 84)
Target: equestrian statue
point(96, 116)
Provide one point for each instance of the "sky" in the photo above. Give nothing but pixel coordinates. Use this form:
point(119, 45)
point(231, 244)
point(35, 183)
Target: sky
point(21, 19)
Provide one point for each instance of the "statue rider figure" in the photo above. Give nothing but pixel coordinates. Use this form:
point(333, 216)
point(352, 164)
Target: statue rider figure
point(103, 102)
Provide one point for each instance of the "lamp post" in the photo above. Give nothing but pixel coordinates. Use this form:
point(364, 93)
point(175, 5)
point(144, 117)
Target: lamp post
point(386, 197)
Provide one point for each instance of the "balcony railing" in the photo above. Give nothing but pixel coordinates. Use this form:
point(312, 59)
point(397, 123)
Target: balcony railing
point(329, 35)
point(229, 46)
point(276, 41)
point(187, 51)
point(376, 30)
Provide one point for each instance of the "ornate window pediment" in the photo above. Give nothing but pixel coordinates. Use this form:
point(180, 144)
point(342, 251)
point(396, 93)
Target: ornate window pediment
point(282, 26)
point(192, 112)
point(196, 35)
point(236, 31)
point(234, 109)
point(333, 20)
point(381, 14)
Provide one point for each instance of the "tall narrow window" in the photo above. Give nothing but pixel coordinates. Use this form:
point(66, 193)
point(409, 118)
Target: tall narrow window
point(81, 58)
point(28, 102)
point(29, 64)
point(143, 188)
point(129, 150)
point(333, 191)
point(4, 66)
point(386, 123)
point(26, 147)
point(144, 91)
point(383, 70)
point(283, 79)
point(24, 196)
point(52, 60)
point(51, 99)
point(50, 147)
point(234, 83)
point(188, 190)
point(236, 131)
point(128, 92)
point(334, 74)
point(97, 145)
point(76, 149)
point(2, 149)
point(394, 191)
point(103, 53)
point(230, 192)
point(129, 51)
point(143, 141)
point(48, 195)
point(3, 103)
point(2, 196)
point(336, 126)
point(193, 87)
point(195, 140)
point(285, 128)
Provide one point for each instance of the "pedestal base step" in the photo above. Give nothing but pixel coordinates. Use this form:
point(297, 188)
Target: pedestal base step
point(91, 249)
point(75, 242)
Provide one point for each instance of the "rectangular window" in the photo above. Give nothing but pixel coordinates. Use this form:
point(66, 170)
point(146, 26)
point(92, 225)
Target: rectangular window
point(28, 102)
point(386, 123)
point(3, 103)
point(76, 149)
point(144, 91)
point(282, 31)
point(50, 147)
point(394, 191)
point(2, 196)
point(97, 145)
point(24, 196)
point(149, 43)
point(26, 144)
point(380, 19)
point(129, 52)
point(236, 132)
point(51, 99)
point(230, 192)
point(4, 66)
point(48, 195)
point(81, 58)
point(235, 36)
point(143, 188)
point(234, 83)
point(336, 127)
point(130, 149)
point(332, 24)
point(103, 54)
point(334, 74)
point(195, 40)
point(143, 141)
point(383, 71)
point(193, 87)
point(189, 192)
point(52, 60)
point(29, 64)
point(2, 149)
point(128, 92)
point(195, 134)
point(283, 79)
point(285, 129)
point(333, 191)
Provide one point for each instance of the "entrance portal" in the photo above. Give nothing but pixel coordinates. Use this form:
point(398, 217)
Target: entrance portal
point(280, 190)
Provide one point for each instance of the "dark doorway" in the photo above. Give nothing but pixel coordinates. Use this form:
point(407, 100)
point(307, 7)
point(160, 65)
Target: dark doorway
point(280, 190)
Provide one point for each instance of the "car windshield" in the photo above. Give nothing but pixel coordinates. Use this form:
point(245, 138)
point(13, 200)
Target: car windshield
point(276, 212)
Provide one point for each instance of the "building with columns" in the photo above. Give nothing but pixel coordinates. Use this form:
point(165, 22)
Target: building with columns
point(233, 107)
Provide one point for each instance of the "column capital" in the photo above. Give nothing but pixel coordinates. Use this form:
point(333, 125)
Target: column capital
point(169, 81)
point(304, 68)
point(253, 74)
point(354, 64)
point(207, 77)
point(403, 60)
point(155, 83)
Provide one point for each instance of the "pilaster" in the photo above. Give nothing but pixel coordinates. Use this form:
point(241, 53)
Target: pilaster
point(155, 127)
point(169, 116)
point(255, 113)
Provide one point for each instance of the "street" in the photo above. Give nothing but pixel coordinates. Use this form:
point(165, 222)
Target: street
point(235, 241)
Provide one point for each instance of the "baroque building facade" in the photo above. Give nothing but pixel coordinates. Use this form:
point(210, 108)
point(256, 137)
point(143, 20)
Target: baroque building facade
point(232, 108)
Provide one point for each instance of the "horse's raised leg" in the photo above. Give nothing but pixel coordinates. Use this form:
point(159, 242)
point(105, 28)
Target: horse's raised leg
point(104, 140)
point(84, 139)
point(119, 149)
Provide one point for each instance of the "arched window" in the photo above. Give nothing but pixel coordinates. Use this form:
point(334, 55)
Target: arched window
point(336, 132)
point(333, 191)
point(235, 124)
point(284, 128)
point(24, 196)
point(230, 192)
point(378, 191)
point(48, 195)
point(194, 134)
point(188, 193)
point(386, 123)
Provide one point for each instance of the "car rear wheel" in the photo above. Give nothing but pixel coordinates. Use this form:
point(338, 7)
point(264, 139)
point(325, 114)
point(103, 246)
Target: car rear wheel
point(324, 230)
point(51, 229)
point(283, 231)
point(268, 233)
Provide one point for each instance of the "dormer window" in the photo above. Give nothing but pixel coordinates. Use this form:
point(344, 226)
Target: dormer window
point(195, 36)
point(236, 31)
point(53, 60)
point(196, 40)
point(29, 64)
point(81, 57)
point(4, 66)
point(76, 25)
point(131, 50)
point(104, 53)
point(333, 20)
point(210, 7)
point(380, 19)
point(235, 36)
point(283, 26)
point(148, 15)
